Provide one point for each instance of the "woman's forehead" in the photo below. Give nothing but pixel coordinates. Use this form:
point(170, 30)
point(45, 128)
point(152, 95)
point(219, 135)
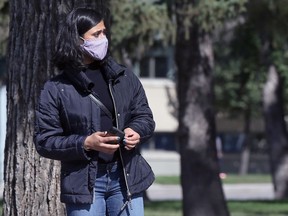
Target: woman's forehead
point(100, 26)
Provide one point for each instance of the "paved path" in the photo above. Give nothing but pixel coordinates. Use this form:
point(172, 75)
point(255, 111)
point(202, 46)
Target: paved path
point(232, 192)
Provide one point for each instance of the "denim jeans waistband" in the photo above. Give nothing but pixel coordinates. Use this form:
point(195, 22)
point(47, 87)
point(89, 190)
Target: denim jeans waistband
point(109, 166)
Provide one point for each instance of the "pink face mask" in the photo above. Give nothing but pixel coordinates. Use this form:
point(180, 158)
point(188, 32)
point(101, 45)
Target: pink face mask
point(96, 48)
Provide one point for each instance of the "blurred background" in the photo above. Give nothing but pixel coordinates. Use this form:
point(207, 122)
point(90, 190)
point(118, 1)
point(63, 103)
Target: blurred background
point(249, 52)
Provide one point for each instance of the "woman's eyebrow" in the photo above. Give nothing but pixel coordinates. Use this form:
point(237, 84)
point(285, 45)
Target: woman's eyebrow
point(99, 31)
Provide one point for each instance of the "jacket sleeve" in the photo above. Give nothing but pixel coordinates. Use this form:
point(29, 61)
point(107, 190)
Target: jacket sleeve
point(141, 115)
point(49, 137)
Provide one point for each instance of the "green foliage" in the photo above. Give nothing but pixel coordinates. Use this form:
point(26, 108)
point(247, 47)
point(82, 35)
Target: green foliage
point(136, 24)
point(209, 14)
point(269, 19)
point(239, 72)
point(4, 26)
point(2, 3)
point(243, 59)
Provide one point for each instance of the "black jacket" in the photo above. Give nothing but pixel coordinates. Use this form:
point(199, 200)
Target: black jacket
point(66, 115)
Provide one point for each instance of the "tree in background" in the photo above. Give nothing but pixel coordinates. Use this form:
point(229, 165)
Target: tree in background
point(136, 27)
point(201, 186)
point(31, 183)
point(269, 18)
point(257, 51)
point(239, 77)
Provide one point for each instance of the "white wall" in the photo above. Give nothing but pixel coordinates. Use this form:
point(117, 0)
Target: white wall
point(159, 93)
point(3, 119)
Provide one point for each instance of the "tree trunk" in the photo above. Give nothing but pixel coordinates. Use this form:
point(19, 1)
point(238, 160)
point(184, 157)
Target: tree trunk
point(276, 132)
point(246, 148)
point(201, 185)
point(31, 183)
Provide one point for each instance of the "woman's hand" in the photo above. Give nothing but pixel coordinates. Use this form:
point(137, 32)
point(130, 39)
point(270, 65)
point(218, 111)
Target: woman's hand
point(131, 138)
point(98, 141)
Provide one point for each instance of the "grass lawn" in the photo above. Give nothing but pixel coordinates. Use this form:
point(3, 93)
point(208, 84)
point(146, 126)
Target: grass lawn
point(230, 179)
point(253, 208)
point(236, 208)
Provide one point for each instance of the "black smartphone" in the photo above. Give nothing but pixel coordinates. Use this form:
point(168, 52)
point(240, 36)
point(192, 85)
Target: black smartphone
point(116, 132)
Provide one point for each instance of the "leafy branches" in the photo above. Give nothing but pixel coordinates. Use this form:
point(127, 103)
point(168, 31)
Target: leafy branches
point(243, 59)
point(136, 24)
point(209, 14)
point(4, 26)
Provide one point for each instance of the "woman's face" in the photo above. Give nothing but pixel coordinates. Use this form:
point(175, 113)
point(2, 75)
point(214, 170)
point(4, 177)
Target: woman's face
point(98, 31)
point(95, 33)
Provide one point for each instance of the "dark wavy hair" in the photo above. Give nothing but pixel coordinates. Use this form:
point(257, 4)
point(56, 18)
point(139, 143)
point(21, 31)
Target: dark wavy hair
point(67, 51)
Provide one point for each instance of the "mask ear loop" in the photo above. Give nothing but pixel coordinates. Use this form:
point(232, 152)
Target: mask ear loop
point(83, 40)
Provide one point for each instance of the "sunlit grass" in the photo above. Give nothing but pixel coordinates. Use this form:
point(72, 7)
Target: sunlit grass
point(163, 208)
point(253, 208)
point(236, 208)
point(1, 206)
point(230, 179)
point(251, 178)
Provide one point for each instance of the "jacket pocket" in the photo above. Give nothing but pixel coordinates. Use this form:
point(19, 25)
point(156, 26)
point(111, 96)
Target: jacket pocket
point(74, 179)
point(140, 176)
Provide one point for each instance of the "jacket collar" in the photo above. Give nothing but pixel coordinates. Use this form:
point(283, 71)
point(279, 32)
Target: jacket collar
point(112, 69)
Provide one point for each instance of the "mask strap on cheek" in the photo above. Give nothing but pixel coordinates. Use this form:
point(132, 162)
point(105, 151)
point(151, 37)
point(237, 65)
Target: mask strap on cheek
point(82, 38)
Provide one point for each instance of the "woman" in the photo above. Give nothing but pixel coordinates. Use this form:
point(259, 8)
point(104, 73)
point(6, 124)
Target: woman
point(100, 174)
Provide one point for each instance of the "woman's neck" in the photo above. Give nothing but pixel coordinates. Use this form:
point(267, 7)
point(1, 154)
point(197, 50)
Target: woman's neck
point(88, 60)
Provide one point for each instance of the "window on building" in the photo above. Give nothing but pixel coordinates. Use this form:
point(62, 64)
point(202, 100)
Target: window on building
point(158, 63)
point(161, 66)
point(162, 141)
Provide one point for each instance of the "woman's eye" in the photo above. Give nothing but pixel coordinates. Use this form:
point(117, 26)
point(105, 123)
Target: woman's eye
point(98, 33)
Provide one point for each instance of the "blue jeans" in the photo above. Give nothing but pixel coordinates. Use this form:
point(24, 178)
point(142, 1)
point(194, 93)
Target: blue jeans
point(110, 195)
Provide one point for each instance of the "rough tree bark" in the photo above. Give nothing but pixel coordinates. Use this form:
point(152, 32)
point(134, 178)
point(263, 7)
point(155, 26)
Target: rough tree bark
point(201, 185)
point(276, 132)
point(31, 183)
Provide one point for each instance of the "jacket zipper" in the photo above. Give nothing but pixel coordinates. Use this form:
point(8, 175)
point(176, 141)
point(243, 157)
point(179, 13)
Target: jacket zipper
point(129, 195)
